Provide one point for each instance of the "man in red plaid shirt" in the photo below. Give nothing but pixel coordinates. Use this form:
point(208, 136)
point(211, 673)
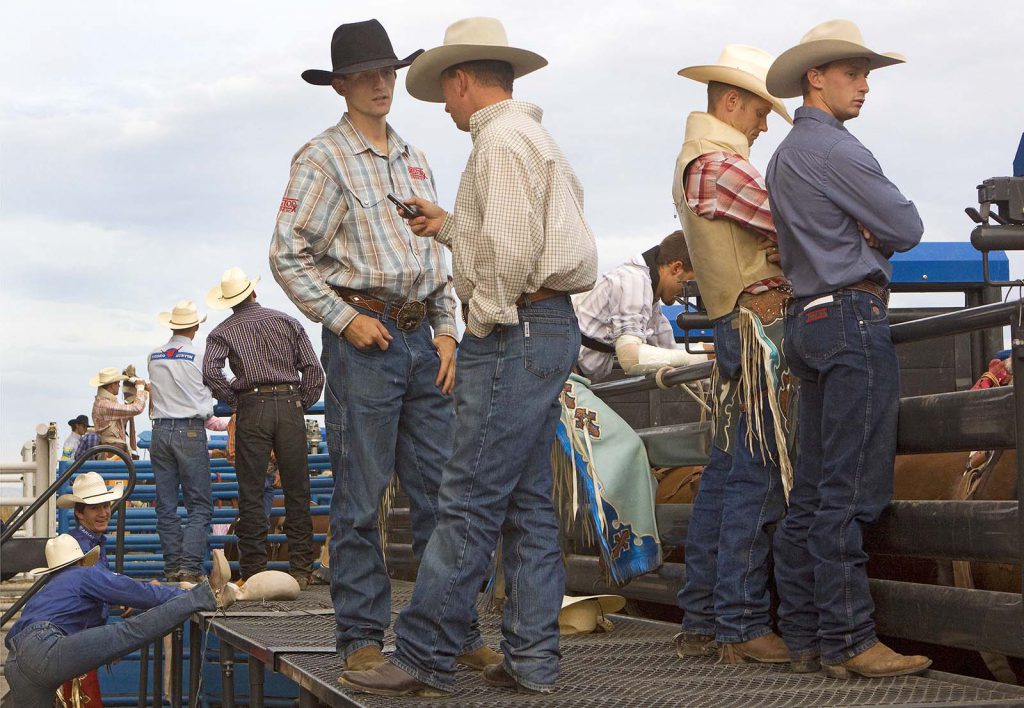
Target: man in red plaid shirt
point(723, 206)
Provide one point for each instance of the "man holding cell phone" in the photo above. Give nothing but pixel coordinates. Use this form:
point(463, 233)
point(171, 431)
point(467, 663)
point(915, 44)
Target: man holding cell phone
point(346, 258)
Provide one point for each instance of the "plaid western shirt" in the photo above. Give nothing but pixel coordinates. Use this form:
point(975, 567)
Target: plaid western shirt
point(109, 415)
point(335, 226)
point(724, 185)
point(518, 224)
point(264, 347)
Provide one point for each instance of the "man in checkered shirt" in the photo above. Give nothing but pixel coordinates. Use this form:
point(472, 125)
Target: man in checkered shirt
point(723, 207)
point(346, 259)
point(520, 246)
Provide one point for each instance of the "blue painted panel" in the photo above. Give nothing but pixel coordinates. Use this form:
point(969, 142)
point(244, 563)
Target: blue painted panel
point(946, 262)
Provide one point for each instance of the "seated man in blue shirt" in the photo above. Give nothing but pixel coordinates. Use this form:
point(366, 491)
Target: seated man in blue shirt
point(92, 502)
point(838, 219)
point(61, 633)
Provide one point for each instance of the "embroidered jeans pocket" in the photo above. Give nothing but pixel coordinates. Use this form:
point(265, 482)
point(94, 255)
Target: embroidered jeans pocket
point(822, 331)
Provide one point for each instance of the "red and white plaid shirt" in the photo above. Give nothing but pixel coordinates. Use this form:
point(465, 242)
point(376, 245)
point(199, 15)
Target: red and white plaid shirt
point(725, 185)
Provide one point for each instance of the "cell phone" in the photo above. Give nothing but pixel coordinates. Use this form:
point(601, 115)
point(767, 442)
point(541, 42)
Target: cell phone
point(410, 211)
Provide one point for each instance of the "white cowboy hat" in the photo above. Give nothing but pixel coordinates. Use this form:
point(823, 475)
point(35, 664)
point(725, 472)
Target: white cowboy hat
point(741, 66)
point(471, 39)
point(89, 488)
point(829, 41)
point(234, 287)
point(185, 315)
point(107, 376)
point(579, 614)
point(62, 551)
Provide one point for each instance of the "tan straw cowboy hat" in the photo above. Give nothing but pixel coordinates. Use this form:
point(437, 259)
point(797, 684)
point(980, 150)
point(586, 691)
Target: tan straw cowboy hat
point(185, 315)
point(829, 41)
point(89, 488)
point(741, 66)
point(234, 287)
point(62, 551)
point(107, 376)
point(579, 614)
point(471, 39)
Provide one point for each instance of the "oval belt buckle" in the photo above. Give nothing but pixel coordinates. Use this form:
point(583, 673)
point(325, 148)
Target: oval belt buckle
point(410, 315)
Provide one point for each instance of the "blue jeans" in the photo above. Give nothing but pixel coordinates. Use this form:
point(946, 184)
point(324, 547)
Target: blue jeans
point(384, 415)
point(498, 481)
point(727, 542)
point(843, 355)
point(180, 459)
point(43, 657)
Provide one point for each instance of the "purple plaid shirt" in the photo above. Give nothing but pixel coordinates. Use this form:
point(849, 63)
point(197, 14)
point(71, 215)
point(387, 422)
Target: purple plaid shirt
point(263, 347)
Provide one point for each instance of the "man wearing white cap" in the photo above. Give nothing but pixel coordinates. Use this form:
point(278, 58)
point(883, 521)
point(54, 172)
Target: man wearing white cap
point(109, 415)
point(276, 378)
point(181, 405)
point(839, 219)
point(520, 246)
point(723, 207)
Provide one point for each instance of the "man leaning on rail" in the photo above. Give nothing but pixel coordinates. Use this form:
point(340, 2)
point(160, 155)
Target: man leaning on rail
point(839, 220)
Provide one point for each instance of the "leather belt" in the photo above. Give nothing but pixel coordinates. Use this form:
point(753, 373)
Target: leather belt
point(408, 316)
point(873, 288)
point(541, 294)
point(270, 388)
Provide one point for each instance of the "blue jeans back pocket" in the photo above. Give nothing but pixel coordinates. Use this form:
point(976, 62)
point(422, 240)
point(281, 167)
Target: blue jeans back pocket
point(821, 331)
point(546, 342)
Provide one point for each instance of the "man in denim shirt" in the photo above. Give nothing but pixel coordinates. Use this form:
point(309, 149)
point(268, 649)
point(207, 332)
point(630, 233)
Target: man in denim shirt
point(838, 219)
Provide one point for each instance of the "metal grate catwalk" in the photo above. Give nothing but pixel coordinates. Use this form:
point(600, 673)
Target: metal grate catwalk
point(633, 666)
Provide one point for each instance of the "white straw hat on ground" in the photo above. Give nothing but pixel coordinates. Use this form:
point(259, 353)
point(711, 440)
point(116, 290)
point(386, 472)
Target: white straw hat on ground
point(89, 488)
point(472, 39)
point(185, 315)
point(829, 41)
point(107, 376)
point(579, 614)
point(741, 66)
point(234, 287)
point(62, 551)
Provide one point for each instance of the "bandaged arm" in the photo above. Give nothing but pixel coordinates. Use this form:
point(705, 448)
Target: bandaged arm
point(636, 357)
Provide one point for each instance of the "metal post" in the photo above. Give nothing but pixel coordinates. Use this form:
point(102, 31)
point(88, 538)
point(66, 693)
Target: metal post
point(195, 661)
point(144, 676)
point(158, 672)
point(1017, 339)
point(227, 675)
point(255, 682)
point(177, 659)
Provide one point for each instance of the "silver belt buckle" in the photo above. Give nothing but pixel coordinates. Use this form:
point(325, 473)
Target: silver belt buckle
point(409, 316)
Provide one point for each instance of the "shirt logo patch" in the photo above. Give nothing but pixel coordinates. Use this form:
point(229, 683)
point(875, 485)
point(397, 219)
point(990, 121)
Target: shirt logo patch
point(417, 173)
point(289, 205)
point(815, 315)
point(172, 354)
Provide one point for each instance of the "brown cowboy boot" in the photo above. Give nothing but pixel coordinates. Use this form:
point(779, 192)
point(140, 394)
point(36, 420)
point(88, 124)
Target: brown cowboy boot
point(498, 675)
point(769, 649)
point(480, 659)
point(690, 645)
point(364, 658)
point(388, 680)
point(876, 662)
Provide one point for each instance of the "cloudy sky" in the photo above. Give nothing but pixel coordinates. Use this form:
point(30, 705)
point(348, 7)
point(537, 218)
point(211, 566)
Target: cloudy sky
point(144, 147)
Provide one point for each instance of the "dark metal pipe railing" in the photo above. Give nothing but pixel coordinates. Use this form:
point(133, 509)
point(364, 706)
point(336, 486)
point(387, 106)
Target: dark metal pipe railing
point(23, 517)
point(999, 314)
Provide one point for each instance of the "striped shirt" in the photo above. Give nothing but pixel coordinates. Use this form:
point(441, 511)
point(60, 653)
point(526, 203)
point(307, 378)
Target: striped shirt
point(621, 303)
point(518, 223)
point(335, 226)
point(109, 415)
point(724, 185)
point(264, 347)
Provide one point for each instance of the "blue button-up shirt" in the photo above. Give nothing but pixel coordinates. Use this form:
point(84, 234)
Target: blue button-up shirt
point(77, 598)
point(87, 539)
point(822, 183)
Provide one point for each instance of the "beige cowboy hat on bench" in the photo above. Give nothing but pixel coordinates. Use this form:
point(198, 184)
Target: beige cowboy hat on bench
point(234, 287)
point(741, 66)
point(62, 551)
point(89, 488)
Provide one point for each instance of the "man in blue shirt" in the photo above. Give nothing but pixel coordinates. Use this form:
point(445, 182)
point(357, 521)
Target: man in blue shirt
point(92, 502)
point(62, 631)
point(181, 405)
point(838, 219)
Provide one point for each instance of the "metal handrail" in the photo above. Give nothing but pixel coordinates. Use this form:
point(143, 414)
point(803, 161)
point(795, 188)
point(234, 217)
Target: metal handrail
point(19, 521)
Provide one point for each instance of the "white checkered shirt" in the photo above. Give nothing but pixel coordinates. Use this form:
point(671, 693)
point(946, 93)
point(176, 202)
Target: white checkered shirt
point(335, 226)
point(518, 224)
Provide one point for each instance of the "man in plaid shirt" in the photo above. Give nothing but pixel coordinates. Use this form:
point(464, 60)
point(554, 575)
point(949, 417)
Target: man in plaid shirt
point(723, 206)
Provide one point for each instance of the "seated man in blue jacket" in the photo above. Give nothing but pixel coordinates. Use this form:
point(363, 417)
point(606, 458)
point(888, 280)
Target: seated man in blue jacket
point(61, 633)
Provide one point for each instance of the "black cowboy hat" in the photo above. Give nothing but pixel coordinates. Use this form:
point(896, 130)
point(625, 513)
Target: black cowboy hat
point(358, 46)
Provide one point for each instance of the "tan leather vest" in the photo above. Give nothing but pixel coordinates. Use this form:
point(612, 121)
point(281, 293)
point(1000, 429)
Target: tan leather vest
point(725, 255)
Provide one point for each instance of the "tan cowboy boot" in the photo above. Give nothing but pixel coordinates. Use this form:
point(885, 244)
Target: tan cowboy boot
point(876, 662)
point(480, 659)
point(769, 649)
point(689, 645)
point(388, 680)
point(364, 658)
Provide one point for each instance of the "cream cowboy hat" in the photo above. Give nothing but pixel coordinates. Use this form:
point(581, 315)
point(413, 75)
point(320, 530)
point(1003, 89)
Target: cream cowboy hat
point(471, 39)
point(185, 315)
point(829, 41)
point(579, 614)
point(107, 376)
point(741, 66)
point(89, 488)
point(234, 287)
point(62, 551)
